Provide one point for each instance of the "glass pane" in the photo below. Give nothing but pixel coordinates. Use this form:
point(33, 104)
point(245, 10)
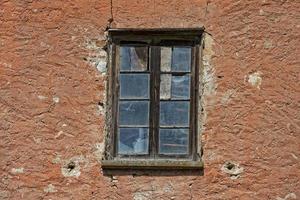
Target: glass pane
point(174, 113)
point(133, 112)
point(165, 86)
point(181, 59)
point(173, 141)
point(133, 141)
point(181, 87)
point(166, 59)
point(133, 58)
point(134, 86)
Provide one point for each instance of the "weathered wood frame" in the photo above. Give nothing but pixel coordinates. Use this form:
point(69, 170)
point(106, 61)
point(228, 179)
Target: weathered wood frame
point(153, 38)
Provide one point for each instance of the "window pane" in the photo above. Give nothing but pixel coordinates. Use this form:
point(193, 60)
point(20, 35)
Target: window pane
point(134, 86)
point(173, 141)
point(174, 113)
point(181, 87)
point(133, 141)
point(181, 59)
point(133, 58)
point(134, 113)
point(166, 58)
point(165, 86)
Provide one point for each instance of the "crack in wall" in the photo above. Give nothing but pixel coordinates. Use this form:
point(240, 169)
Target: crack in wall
point(111, 19)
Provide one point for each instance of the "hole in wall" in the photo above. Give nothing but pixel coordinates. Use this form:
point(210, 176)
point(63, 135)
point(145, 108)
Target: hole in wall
point(229, 165)
point(71, 166)
point(232, 169)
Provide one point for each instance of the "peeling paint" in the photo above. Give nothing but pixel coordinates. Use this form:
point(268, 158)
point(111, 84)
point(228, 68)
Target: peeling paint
point(211, 155)
point(208, 77)
point(102, 61)
point(97, 55)
point(268, 44)
point(4, 194)
point(288, 197)
point(62, 133)
point(100, 109)
point(56, 99)
point(261, 12)
point(227, 96)
point(17, 170)
point(99, 151)
point(168, 188)
point(95, 44)
point(143, 195)
point(50, 189)
point(208, 70)
point(294, 156)
point(64, 125)
point(5, 64)
point(255, 79)
point(41, 97)
point(57, 159)
point(37, 140)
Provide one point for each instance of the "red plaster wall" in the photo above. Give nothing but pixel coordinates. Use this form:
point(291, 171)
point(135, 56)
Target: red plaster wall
point(50, 89)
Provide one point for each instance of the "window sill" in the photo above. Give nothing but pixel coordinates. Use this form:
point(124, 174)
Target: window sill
point(152, 164)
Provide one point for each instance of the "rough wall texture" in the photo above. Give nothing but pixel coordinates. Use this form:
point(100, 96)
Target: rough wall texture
point(52, 83)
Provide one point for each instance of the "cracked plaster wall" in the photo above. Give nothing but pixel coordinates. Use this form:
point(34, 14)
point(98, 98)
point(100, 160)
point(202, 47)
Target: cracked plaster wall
point(52, 93)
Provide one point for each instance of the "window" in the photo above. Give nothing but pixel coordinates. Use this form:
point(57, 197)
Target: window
point(153, 96)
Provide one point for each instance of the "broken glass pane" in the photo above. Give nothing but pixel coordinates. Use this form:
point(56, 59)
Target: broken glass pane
point(133, 141)
point(133, 58)
point(173, 141)
point(181, 87)
point(174, 113)
point(134, 113)
point(181, 59)
point(165, 86)
point(134, 86)
point(166, 59)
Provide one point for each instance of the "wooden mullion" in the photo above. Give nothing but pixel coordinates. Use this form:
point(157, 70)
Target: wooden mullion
point(151, 111)
point(157, 100)
point(192, 106)
point(156, 86)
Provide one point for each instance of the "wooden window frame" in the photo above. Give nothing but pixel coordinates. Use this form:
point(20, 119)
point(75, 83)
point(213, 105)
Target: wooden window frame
point(154, 38)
